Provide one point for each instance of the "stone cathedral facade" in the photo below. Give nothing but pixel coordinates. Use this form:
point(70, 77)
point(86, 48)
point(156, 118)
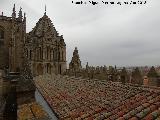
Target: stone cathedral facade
point(45, 48)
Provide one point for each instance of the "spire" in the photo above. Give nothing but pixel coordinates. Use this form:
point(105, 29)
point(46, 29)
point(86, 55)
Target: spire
point(45, 10)
point(14, 8)
point(115, 67)
point(87, 65)
point(20, 14)
point(75, 53)
point(24, 17)
point(14, 12)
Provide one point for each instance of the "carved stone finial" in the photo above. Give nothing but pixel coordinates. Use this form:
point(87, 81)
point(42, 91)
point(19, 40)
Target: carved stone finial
point(87, 65)
point(24, 17)
point(14, 12)
point(20, 14)
point(14, 7)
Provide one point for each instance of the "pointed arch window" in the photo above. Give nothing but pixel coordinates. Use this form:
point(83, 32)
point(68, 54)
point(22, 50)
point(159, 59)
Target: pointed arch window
point(59, 56)
point(62, 56)
point(54, 54)
point(30, 56)
point(47, 53)
point(27, 53)
point(1, 36)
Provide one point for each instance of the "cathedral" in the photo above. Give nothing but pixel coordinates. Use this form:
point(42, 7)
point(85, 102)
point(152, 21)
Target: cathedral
point(45, 48)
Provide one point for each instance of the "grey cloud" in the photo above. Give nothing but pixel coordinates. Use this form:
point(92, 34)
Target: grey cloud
point(110, 35)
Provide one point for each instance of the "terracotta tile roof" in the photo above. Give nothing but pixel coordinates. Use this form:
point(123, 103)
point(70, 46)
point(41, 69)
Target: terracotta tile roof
point(98, 99)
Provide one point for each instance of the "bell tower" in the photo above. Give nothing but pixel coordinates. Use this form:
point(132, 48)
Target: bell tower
point(12, 37)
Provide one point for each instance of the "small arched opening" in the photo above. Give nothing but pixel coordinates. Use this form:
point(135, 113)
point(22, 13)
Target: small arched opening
point(39, 69)
point(48, 68)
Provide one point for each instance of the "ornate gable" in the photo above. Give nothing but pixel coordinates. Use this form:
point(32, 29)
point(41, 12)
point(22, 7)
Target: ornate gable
point(44, 28)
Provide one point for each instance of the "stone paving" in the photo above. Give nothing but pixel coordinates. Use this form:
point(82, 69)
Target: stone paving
point(31, 111)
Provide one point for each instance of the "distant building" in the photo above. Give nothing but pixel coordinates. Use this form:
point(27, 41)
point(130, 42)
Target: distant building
point(154, 78)
point(136, 77)
point(124, 78)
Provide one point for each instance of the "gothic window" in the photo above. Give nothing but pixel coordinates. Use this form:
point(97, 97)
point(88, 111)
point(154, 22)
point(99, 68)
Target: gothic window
point(1, 37)
point(1, 34)
point(54, 54)
point(48, 68)
point(27, 53)
point(60, 69)
point(37, 54)
point(41, 57)
point(59, 56)
point(62, 56)
point(30, 54)
point(47, 52)
point(50, 54)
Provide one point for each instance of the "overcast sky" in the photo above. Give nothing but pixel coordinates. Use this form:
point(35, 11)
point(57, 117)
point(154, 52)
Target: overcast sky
point(123, 35)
